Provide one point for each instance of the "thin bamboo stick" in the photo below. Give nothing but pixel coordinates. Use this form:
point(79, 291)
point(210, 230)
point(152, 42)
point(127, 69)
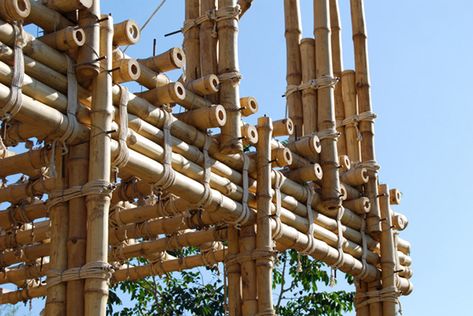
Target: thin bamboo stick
point(309, 96)
point(294, 73)
point(96, 290)
point(364, 103)
point(326, 105)
point(264, 240)
point(228, 70)
point(337, 59)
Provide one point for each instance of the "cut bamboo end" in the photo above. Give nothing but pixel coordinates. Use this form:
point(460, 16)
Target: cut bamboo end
point(360, 206)
point(345, 163)
point(69, 5)
point(308, 146)
point(206, 85)
point(170, 93)
point(126, 33)
point(250, 134)
point(284, 127)
point(65, 39)
point(352, 193)
point(305, 174)
point(126, 70)
point(209, 117)
point(343, 192)
point(395, 197)
point(14, 10)
point(249, 106)
point(400, 221)
point(169, 60)
point(355, 176)
point(281, 157)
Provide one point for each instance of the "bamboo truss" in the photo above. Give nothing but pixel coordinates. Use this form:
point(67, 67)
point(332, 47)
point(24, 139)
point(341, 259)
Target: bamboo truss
point(76, 218)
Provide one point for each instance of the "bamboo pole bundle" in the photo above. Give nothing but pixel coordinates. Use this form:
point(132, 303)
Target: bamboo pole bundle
point(309, 96)
point(77, 162)
point(294, 72)
point(364, 102)
point(326, 105)
point(264, 240)
point(29, 163)
point(337, 59)
point(233, 273)
point(96, 290)
point(58, 214)
point(15, 193)
point(351, 110)
point(229, 75)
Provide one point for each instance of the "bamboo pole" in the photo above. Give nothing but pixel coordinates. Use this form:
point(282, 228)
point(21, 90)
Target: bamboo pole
point(23, 213)
point(229, 75)
point(96, 290)
point(66, 39)
point(248, 270)
point(351, 109)
point(293, 32)
point(48, 19)
point(29, 163)
point(126, 33)
point(208, 44)
point(77, 163)
point(191, 41)
point(58, 214)
point(326, 106)
point(309, 96)
point(264, 241)
point(69, 5)
point(360, 298)
point(364, 102)
point(233, 273)
point(337, 59)
point(172, 59)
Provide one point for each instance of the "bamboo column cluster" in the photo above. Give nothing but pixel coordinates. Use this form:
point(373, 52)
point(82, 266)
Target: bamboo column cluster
point(120, 175)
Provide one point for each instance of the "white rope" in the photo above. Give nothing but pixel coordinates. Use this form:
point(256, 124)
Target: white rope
point(364, 243)
point(245, 214)
point(310, 219)
point(96, 187)
point(330, 133)
point(92, 270)
point(206, 198)
point(213, 16)
point(313, 84)
point(123, 154)
point(354, 120)
point(168, 177)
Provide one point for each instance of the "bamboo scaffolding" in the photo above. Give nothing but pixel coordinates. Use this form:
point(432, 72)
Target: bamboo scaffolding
point(309, 96)
point(364, 103)
point(191, 44)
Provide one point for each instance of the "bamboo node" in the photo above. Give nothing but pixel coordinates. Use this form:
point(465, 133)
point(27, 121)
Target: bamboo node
point(95, 187)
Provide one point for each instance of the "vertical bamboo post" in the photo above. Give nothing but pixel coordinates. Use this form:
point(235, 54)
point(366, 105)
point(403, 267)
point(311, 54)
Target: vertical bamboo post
point(98, 204)
point(248, 270)
point(364, 104)
point(191, 42)
point(326, 106)
point(233, 271)
point(228, 70)
point(264, 241)
point(293, 30)
point(87, 64)
point(351, 109)
point(361, 290)
point(77, 162)
point(309, 96)
point(56, 295)
point(337, 59)
point(387, 248)
point(208, 44)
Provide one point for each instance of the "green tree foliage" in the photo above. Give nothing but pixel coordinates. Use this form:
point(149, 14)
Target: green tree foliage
point(296, 289)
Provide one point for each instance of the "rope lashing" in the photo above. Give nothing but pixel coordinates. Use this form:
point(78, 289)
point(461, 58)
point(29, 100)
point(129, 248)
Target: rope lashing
point(310, 219)
point(214, 16)
point(389, 294)
point(371, 165)
point(233, 76)
point(313, 84)
point(123, 154)
point(330, 133)
point(364, 253)
point(340, 241)
point(354, 121)
point(15, 98)
point(168, 177)
point(245, 214)
point(95, 187)
point(277, 195)
point(92, 270)
point(18, 211)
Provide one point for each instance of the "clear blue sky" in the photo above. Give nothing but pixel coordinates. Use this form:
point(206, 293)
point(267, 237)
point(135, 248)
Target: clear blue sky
point(421, 61)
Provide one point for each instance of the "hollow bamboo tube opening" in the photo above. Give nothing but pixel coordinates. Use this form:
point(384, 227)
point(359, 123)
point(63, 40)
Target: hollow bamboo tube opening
point(400, 221)
point(206, 85)
point(395, 197)
point(345, 163)
point(281, 157)
point(360, 206)
point(307, 146)
point(264, 242)
point(309, 96)
point(351, 109)
point(126, 33)
point(169, 60)
point(355, 176)
point(69, 5)
point(14, 10)
point(48, 19)
point(171, 93)
point(305, 174)
point(125, 70)
point(65, 39)
point(250, 134)
point(209, 117)
point(284, 127)
point(249, 106)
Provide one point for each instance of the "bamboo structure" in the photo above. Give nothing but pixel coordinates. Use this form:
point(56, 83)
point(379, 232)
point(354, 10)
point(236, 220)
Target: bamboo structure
point(76, 218)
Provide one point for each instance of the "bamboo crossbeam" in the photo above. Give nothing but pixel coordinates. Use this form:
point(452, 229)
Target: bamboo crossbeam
point(27, 254)
point(15, 193)
point(48, 19)
point(40, 231)
point(14, 10)
point(24, 213)
point(30, 163)
point(22, 295)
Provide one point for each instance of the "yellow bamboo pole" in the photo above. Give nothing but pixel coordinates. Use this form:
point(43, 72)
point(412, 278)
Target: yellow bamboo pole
point(350, 110)
point(309, 96)
point(364, 104)
point(208, 44)
point(96, 290)
point(249, 304)
point(294, 72)
point(191, 41)
point(233, 273)
point(264, 241)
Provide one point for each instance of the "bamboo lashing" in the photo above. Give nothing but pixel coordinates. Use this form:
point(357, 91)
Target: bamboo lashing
point(153, 171)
